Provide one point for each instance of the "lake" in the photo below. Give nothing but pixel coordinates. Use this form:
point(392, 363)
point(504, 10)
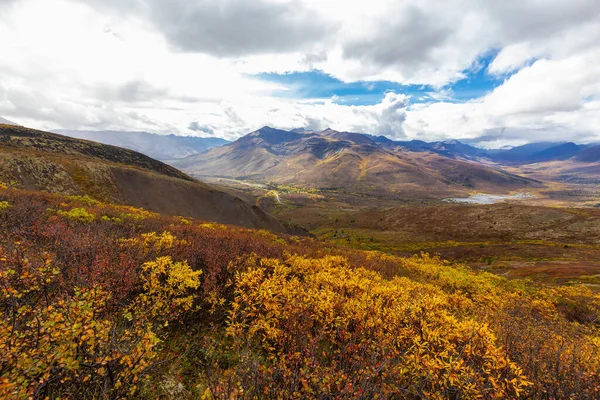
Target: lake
point(483, 198)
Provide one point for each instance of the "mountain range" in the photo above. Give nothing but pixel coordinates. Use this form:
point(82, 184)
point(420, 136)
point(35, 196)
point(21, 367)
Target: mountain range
point(171, 148)
point(161, 147)
point(450, 148)
point(354, 163)
point(363, 164)
point(38, 160)
point(519, 155)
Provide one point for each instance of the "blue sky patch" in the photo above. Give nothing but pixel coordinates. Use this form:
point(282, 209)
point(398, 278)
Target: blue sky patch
point(317, 84)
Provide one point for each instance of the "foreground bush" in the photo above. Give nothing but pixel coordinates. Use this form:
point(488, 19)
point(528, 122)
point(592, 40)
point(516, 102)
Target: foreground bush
point(105, 301)
point(311, 327)
point(54, 344)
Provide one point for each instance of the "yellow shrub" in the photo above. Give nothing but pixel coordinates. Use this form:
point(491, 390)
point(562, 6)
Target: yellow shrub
point(155, 241)
point(138, 214)
point(57, 345)
point(78, 214)
point(325, 328)
point(183, 221)
point(87, 200)
point(168, 288)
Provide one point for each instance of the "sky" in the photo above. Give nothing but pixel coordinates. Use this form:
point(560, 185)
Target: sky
point(495, 73)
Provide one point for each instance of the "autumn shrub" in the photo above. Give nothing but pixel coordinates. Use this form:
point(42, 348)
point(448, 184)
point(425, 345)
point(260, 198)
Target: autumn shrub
point(130, 303)
point(319, 328)
point(87, 200)
point(562, 359)
point(55, 343)
point(78, 215)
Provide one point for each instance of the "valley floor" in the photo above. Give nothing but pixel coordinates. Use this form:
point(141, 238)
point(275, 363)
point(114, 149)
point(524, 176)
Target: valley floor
point(550, 234)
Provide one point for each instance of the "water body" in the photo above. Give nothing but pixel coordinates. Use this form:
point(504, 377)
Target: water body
point(483, 198)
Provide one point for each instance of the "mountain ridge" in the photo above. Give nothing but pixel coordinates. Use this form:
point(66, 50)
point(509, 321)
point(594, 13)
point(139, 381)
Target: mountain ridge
point(349, 161)
point(38, 160)
point(172, 148)
point(161, 147)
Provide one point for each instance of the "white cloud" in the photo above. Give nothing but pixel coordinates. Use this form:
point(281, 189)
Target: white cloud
point(235, 119)
point(549, 100)
point(162, 66)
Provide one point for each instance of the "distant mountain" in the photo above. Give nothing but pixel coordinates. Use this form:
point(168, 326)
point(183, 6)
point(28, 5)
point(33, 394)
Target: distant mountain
point(560, 152)
point(522, 154)
point(161, 147)
point(38, 160)
point(351, 162)
point(538, 152)
point(7, 122)
point(450, 148)
point(589, 155)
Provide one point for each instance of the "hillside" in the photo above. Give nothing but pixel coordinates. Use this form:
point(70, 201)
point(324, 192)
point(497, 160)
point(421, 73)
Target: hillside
point(560, 152)
point(106, 301)
point(349, 162)
point(161, 147)
point(522, 154)
point(579, 170)
point(39, 160)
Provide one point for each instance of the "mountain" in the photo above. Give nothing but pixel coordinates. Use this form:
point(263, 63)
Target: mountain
point(161, 147)
point(589, 155)
point(7, 122)
point(38, 160)
point(560, 152)
point(451, 148)
point(522, 154)
point(538, 152)
point(351, 162)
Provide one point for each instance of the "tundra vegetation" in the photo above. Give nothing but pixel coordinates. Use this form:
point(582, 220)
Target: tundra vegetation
point(106, 301)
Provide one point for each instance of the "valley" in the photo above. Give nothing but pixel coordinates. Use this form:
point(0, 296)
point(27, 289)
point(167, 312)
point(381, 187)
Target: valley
point(299, 199)
point(241, 274)
point(535, 222)
point(527, 237)
point(516, 219)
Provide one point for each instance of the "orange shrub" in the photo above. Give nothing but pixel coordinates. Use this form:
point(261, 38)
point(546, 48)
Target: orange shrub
point(317, 327)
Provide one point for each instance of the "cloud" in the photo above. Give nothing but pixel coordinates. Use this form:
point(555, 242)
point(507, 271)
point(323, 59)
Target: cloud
point(229, 28)
point(548, 100)
point(392, 114)
point(197, 127)
point(134, 91)
point(384, 118)
point(155, 65)
point(410, 43)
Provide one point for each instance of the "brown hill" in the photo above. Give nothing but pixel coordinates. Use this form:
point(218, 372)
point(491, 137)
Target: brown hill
point(40, 160)
point(348, 162)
